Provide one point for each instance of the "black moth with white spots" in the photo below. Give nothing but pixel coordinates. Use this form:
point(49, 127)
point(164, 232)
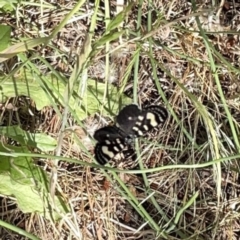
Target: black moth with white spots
point(131, 122)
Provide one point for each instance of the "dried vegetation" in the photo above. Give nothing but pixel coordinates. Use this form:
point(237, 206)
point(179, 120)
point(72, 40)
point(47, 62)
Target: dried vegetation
point(177, 59)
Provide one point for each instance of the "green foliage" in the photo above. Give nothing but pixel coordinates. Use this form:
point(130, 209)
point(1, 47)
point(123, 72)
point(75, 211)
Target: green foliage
point(21, 178)
point(7, 5)
point(119, 18)
point(113, 35)
point(92, 99)
point(36, 140)
point(23, 46)
point(4, 36)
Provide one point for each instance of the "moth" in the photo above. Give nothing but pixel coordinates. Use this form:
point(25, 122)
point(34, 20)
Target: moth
point(131, 122)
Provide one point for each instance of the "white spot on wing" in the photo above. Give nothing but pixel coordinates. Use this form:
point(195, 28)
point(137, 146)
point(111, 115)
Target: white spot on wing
point(121, 146)
point(135, 129)
point(152, 118)
point(116, 148)
point(139, 132)
point(145, 127)
point(106, 152)
point(138, 123)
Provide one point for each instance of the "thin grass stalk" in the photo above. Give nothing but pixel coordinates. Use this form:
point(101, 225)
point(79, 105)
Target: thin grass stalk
point(147, 185)
point(217, 167)
point(135, 98)
point(151, 170)
point(18, 230)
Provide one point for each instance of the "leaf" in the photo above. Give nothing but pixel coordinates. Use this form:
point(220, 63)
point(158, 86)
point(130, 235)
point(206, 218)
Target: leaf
point(29, 199)
point(113, 35)
point(92, 99)
point(41, 141)
point(24, 46)
point(21, 178)
point(8, 5)
point(119, 18)
point(33, 90)
point(21, 169)
point(44, 142)
point(5, 32)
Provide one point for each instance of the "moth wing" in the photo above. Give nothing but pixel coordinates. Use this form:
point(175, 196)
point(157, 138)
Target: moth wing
point(149, 118)
point(107, 150)
point(160, 114)
point(109, 132)
point(127, 118)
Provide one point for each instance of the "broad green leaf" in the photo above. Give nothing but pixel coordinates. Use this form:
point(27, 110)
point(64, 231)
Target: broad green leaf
point(21, 178)
point(7, 5)
point(4, 36)
point(29, 198)
point(41, 141)
point(30, 89)
point(21, 169)
point(44, 142)
point(91, 102)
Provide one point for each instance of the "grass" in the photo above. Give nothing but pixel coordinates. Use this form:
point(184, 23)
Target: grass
point(185, 181)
